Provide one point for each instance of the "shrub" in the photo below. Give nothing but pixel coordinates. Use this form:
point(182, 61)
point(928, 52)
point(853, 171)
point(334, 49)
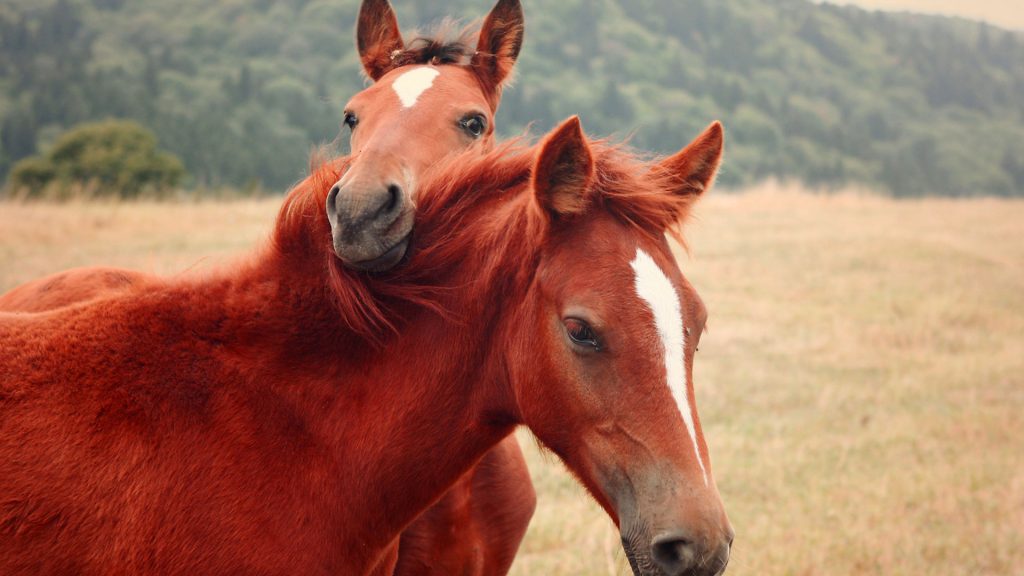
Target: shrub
point(32, 174)
point(113, 158)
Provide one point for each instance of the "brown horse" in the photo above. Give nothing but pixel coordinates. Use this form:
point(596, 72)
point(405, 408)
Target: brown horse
point(413, 114)
point(478, 526)
point(237, 423)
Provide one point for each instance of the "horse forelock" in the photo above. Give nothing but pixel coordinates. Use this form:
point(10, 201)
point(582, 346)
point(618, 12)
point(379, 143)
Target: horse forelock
point(449, 42)
point(637, 192)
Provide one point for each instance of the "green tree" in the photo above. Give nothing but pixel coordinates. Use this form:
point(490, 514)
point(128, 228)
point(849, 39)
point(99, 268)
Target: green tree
point(240, 91)
point(117, 157)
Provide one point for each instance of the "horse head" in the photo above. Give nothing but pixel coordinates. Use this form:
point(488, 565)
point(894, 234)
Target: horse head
point(430, 97)
point(601, 351)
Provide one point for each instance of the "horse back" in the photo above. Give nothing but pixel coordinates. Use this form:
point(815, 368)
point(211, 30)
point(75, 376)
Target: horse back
point(127, 445)
point(70, 287)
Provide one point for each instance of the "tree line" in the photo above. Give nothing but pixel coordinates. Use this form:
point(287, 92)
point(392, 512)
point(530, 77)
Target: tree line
point(242, 91)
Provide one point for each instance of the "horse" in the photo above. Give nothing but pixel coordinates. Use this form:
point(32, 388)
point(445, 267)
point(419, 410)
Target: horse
point(372, 205)
point(478, 526)
point(239, 422)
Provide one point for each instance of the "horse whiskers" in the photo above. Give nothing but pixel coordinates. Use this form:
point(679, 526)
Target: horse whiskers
point(632, 540)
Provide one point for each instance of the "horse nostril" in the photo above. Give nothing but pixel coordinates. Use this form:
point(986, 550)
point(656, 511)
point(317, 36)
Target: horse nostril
point(394, 198)
point(674, 554)
point(722, 557)
point(332, 198)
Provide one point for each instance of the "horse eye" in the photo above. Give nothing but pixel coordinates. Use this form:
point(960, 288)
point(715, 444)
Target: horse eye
point(351, 120)
point(474, 125)
point(581, 333)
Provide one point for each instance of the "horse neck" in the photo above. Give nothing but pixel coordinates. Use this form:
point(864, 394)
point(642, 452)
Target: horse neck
point(406, 418)
point(442, 396)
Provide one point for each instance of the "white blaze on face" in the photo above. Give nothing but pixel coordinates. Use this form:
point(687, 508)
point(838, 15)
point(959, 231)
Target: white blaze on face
point(411, 85)
point(654, 288)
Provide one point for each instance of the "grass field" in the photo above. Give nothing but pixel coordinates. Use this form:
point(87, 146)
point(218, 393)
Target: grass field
point(861, 386)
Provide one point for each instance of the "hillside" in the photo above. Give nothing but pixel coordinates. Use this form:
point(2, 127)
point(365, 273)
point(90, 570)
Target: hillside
point(241, 90)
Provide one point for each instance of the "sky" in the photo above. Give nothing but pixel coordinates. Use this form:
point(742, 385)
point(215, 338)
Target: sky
point(1003, 13)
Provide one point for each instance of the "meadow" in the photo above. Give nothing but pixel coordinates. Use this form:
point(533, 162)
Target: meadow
point(861, 385)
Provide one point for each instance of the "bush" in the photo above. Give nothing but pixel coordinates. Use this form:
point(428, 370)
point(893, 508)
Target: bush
point(32, 174)
point(113, 158)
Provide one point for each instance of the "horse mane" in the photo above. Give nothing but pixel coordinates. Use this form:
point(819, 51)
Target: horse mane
point(637, 192)
point(473, 210)
point(627, 185)
point(366, 303)
point(449, 42)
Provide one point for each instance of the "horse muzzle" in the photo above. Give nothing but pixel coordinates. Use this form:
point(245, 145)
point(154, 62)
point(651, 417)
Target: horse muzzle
point(371, 226)
point(669, 527)
point(675, 553)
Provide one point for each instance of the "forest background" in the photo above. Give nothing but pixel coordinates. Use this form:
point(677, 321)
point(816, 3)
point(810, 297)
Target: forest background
point(830, 96)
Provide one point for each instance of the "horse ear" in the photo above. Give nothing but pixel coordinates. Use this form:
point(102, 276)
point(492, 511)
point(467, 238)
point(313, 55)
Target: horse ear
point(563, 170)
point(377, 37)
point(694, 167)
point(501, 38)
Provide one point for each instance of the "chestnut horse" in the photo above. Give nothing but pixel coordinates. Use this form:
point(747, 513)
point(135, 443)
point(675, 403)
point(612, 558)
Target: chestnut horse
point(236, 423)
point(430, 97)
point(478, 526)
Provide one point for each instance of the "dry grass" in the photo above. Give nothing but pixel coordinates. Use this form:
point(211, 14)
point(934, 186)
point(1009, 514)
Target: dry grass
point(159, 237)
point(861, 386)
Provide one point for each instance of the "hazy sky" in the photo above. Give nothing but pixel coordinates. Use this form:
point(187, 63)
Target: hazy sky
point(1005, 13)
